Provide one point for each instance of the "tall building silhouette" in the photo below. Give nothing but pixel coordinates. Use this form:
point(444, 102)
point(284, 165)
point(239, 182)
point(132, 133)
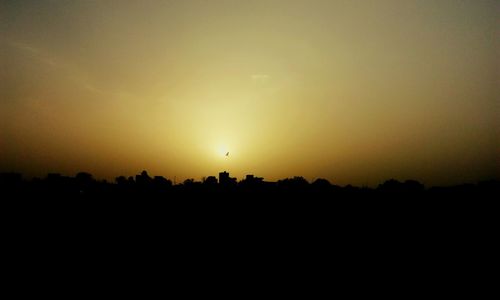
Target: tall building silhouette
point(224, 179)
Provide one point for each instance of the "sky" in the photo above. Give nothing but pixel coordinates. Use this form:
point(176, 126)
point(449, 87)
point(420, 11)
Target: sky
point(356, 92)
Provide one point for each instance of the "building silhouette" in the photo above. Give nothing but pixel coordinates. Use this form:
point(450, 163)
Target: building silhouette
point(225, 179)
point(253, 179)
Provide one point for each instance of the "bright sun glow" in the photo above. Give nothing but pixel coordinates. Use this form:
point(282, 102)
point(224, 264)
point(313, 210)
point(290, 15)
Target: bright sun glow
point(222, 150)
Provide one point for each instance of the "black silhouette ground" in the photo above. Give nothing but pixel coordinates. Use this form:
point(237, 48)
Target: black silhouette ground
point(227, 191)
point(252, 221)
point(144, 187)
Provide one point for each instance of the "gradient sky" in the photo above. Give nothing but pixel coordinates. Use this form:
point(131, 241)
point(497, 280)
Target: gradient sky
point(352, 91)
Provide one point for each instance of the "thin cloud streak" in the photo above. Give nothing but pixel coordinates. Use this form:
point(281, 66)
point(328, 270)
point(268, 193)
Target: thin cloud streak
point(74, 74)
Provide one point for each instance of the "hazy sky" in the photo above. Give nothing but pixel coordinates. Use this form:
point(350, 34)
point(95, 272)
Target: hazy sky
point(352, 91)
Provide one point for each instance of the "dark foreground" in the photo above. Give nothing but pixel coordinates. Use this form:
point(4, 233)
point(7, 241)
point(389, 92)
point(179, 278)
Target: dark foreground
point(199, 229)
point(153, 199)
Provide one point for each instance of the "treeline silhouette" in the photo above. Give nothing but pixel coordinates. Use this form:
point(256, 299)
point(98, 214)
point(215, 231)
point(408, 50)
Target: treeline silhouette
point(144, 186)
point(153, 208)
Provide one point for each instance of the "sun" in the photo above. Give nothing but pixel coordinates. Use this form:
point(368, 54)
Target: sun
point(222, 151)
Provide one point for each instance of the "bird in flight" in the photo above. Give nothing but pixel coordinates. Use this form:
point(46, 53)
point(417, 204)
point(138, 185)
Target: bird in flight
point(227, 154)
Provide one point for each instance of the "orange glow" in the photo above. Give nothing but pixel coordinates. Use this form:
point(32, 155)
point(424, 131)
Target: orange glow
point(351, 91)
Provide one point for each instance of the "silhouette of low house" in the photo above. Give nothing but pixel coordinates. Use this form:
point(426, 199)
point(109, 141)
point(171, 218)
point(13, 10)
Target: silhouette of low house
point(251, 181)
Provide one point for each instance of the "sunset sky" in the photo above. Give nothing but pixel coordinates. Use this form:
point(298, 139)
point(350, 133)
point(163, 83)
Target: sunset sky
point(352, 91)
